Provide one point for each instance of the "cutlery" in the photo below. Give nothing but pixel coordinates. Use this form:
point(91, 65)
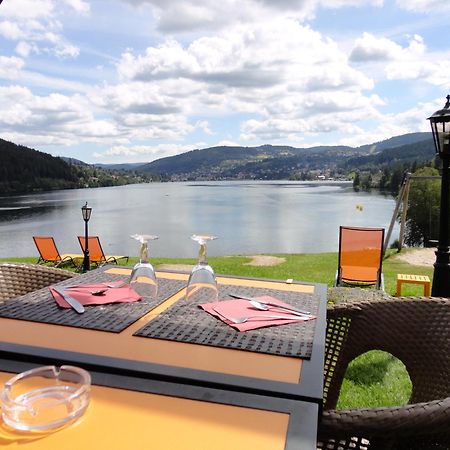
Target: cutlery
point(75, 304)
point(238, 320)
point(264, 307)
point(99, 292)
point(117, 285)
point(110, 286)
point(94, 292)
point(262, 303)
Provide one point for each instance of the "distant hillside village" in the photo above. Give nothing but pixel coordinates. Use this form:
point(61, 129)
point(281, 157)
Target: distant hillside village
point(374, 166)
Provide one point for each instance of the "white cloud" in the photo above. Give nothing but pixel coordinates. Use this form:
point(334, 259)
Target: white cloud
point(253, 66)
point(435, 73)
point(370, 48)
point(181, 16)
point(412, 62)
point(317, 113)
point(395, 124)
point(50, 119)
point(10, 67)
point(427, 6)
point(284, 78)
point(252, 57)
point(24, 48)
point(147, 152)
point(27, 9)
point(79, 6)
point(10, 30)
point(36, 25)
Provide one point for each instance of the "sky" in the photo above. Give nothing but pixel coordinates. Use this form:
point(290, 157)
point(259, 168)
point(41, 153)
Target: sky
point(114, 81)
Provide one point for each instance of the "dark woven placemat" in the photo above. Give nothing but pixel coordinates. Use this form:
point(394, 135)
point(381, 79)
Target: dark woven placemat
point(186, 322)
point(39, 306)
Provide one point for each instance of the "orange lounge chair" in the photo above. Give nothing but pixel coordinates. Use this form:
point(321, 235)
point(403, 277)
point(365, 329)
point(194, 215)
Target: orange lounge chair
point(360, 257)
point(96, 254)
point(48, 252)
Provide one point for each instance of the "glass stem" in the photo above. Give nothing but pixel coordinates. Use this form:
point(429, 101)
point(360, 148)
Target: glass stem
point(144, 253)
point(202, 254)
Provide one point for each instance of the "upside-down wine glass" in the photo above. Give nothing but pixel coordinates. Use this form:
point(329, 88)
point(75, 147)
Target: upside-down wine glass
point(202, 282)
point(143, 278)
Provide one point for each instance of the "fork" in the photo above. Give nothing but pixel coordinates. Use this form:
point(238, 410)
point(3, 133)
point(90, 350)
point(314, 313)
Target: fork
point(238, 320)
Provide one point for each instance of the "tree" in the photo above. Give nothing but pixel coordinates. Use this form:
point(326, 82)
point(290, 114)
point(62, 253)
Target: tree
point(356, 182)
point(422, 223)
point(366, 182)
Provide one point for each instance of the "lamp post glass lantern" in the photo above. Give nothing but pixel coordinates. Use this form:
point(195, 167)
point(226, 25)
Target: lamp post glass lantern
point(440, 127)
point(86, 212)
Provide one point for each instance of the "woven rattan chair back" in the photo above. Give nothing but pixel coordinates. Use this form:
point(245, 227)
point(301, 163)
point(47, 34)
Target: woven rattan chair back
point(360, 255)
point(19, 279)
point(416, 331)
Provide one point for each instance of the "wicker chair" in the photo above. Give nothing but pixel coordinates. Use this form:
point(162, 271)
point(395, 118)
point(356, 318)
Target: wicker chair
point(18, 279)
point(416, 331)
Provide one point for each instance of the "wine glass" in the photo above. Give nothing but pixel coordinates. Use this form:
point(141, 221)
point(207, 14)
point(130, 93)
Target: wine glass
point(202, 282)
point(143, 278)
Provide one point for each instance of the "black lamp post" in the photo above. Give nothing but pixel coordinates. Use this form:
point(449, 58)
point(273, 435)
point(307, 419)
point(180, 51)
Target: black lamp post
point(86, 212)
point(440, 126)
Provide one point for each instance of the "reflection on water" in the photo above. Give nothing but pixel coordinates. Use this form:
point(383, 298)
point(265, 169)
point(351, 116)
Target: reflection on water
point(249, 217)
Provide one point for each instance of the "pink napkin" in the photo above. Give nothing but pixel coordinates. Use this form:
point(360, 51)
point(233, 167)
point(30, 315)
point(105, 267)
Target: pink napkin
point(83, 293)
point(226, 309)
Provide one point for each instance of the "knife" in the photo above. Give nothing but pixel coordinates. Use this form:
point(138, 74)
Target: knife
point(75, 304)
point(287, 308)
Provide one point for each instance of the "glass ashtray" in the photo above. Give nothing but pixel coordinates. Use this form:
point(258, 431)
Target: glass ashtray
point(46, 397)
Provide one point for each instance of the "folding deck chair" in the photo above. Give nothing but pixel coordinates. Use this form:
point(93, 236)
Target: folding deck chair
point(48, 252)
point(360, 257)
point(96, 254)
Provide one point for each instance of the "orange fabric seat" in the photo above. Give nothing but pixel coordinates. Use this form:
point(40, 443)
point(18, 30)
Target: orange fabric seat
point(357, 273)
point(96, 253)
point(48, 252)
point(360, 256)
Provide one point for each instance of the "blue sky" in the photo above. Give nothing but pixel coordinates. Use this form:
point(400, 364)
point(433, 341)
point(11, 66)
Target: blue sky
point(113, 81)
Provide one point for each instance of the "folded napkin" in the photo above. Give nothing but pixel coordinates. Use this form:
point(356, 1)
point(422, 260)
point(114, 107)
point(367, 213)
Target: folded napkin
point(228, 309)
point(83, 293)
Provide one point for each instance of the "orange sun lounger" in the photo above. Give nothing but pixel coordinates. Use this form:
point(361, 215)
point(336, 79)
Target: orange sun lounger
point(48, 252)
point(96, 254)
point(360, 256)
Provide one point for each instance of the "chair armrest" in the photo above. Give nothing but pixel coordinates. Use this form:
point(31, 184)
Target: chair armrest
point(334, 311)
point(419, 419)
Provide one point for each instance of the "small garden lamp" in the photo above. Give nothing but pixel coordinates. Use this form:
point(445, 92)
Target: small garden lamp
point(440, 127)
point(86, 212)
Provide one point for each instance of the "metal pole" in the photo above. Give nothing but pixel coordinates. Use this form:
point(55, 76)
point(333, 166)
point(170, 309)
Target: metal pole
point(401, 239)
point(441, 277)
point(86, 263)
point(387, 238)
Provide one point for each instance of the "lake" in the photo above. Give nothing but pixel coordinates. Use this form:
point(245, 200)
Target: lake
point(249, 217)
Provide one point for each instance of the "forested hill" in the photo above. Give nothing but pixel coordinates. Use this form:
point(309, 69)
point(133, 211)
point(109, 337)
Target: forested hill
point(284, 162)
point(418, 151)
point(23, 169)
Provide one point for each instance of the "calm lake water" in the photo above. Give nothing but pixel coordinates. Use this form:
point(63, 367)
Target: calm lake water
point(248, 217)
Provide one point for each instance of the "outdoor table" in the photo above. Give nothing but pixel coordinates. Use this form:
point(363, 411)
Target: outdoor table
point(191, 383)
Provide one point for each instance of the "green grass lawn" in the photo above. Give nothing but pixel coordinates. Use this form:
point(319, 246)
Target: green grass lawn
point(374, 379)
